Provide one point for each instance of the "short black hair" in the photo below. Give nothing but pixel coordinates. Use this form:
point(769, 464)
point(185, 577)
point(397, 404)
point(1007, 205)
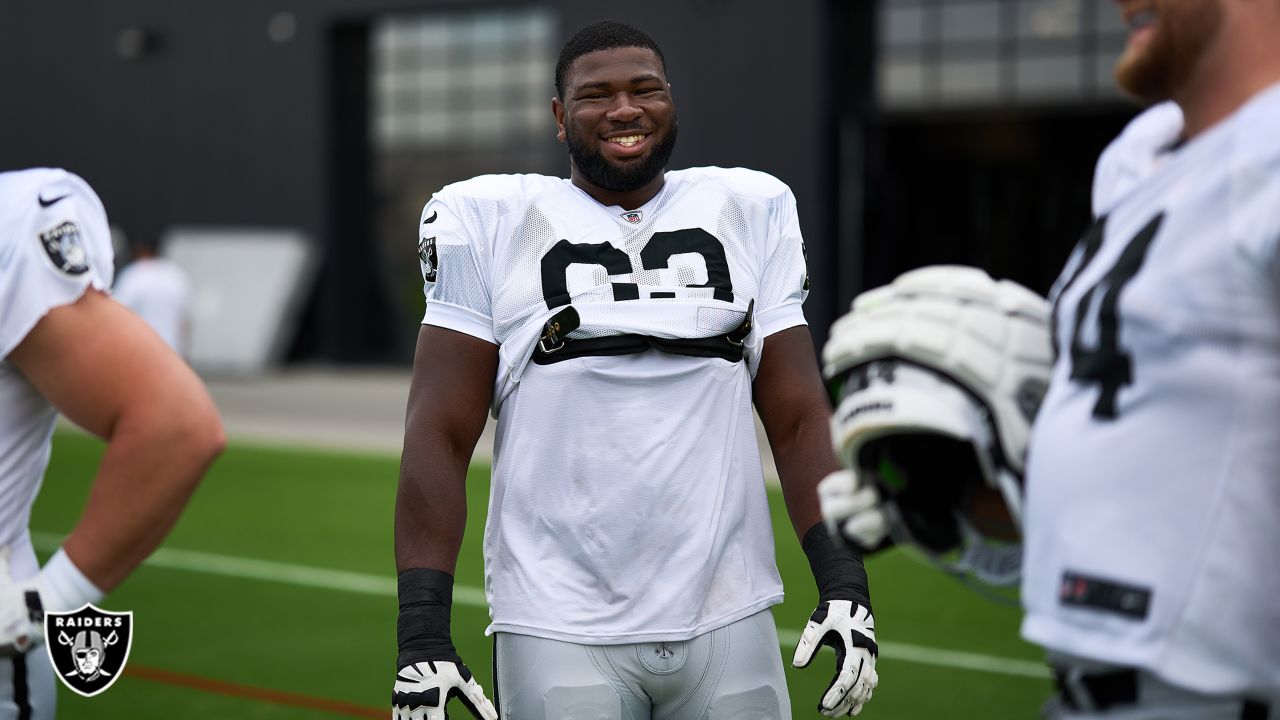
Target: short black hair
point(602, 35)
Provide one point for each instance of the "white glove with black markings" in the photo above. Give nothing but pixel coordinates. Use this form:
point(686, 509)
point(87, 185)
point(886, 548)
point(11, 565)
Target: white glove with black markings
point(21, 611)
point(850, 630)
point(853, 511)
point(423, 689)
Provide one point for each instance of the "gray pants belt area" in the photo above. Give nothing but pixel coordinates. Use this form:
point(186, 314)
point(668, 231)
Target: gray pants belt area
point(1090, 690)
point(734, 672)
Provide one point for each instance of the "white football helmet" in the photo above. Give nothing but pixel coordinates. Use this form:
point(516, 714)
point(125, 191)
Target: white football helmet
point(937, 378)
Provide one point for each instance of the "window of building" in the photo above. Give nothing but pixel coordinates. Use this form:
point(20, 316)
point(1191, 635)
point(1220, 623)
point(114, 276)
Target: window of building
point(462, 78)
point(933, 53)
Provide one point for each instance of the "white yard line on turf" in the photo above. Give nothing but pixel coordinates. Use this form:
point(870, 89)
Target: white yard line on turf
point(250, 568)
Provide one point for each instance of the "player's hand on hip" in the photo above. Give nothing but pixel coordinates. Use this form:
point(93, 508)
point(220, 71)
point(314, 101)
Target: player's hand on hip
point(849, 629)
point(423, 689)
point(21, 611)
point(21, 618)
point(853, 511)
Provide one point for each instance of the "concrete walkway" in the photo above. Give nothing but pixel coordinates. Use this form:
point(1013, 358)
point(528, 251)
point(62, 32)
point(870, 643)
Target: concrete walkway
point(337, 409)
point(333, 409)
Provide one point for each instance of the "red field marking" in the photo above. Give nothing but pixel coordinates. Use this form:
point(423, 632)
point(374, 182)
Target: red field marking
point(278, 697)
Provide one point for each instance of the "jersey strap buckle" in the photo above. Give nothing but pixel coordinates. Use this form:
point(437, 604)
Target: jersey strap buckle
point(554, 331)
point(739, 334)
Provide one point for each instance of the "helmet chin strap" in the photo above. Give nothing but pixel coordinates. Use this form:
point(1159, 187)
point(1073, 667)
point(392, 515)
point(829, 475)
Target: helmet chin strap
point(997, 474)
point(1011, 488)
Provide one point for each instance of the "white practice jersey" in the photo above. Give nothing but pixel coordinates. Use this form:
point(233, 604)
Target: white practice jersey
point(160, 293)
point(628, 502)
point(54, 245)
point(1153, 487)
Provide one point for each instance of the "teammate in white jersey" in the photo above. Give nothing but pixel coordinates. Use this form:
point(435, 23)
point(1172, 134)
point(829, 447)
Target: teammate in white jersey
point(65, 346)
point(159, 291)
point(619, 324)
point(1152, 511)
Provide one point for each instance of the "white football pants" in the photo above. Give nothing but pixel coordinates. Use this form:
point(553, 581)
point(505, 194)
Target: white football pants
point(733, 673)
point(28, 689)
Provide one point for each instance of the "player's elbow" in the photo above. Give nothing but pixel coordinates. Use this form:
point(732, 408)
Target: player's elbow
point(185, 428)
point(200, 434)
point(798, 430)
point(206, 436)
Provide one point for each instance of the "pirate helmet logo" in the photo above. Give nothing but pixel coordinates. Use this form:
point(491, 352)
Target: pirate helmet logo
point(427, 254)
point(88, 647)
point(66, 249)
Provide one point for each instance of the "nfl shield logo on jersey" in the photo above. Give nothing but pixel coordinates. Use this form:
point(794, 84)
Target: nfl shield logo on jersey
point(66, 249)
point(634, 217)
point(88, 647)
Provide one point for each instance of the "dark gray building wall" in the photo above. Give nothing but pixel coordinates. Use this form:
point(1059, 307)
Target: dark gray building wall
point(220, 125)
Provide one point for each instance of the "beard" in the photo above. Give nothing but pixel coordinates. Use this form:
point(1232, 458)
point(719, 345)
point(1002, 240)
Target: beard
point(1156, 71)
point(615, 177)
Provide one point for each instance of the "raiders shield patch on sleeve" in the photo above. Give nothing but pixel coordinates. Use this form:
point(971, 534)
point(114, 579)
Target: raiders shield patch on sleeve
point(88, 647)
point(427, 254)
point(65, 248)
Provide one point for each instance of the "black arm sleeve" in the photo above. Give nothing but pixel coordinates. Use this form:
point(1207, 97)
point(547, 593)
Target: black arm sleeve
point(422, 630)
point(838, 571)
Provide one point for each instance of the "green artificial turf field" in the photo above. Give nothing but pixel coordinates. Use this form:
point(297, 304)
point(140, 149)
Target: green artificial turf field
point(275, 598)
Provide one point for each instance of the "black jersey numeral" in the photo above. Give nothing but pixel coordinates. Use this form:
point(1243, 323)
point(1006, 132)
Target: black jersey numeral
point(1108, 364)
point(555, 266)
point(655, 255)
point(1085, 249)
